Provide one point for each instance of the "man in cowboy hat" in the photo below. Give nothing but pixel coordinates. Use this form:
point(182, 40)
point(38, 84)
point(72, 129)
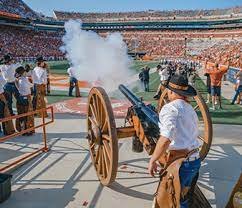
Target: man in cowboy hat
point(179, 134)
point(8, 72)
point(39, 76)
point(24, 102)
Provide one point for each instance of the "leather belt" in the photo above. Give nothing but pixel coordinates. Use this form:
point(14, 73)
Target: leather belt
point(190, 159)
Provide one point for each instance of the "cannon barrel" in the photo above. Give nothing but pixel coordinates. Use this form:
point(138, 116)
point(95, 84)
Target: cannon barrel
point(129, 95)
point(147, 115)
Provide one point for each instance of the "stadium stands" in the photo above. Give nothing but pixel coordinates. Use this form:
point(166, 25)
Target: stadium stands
point(17, 7)
point(26, 43)
point(150, 15)
point(42, 35)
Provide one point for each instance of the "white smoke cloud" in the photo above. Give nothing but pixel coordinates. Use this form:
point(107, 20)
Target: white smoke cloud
point(96, 58)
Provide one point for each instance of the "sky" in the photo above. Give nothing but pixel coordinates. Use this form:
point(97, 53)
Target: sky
point(47, 6)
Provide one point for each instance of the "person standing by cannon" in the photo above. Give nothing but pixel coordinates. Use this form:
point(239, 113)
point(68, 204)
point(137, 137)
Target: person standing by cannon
point(39, 76)
point(163, 72)
point(73, 82)
point(146, 78)
point(7, 126)
point(8, 72)
point(178, 124)
point(24, 102)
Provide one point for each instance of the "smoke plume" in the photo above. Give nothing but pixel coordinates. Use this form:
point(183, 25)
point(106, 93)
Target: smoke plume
point(95, 58)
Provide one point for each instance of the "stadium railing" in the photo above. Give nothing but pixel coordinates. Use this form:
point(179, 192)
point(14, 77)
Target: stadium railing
point(43, 124)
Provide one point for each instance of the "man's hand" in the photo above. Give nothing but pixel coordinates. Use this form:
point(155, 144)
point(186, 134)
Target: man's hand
point(152, 168)
point(160, 148)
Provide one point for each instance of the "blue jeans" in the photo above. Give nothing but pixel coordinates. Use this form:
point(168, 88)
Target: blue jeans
point(73, 83)
point(216, 90)
point(2, 105)
point(146, 85)
point(9, 90)
point(188, 173)
point(239, 90)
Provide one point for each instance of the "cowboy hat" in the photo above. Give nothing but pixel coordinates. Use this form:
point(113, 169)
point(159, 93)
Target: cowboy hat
point(6, 58)
point(40, 59)
point(179, 84)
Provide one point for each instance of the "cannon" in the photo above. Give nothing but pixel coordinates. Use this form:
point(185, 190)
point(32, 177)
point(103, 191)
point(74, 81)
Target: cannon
point(141, 125)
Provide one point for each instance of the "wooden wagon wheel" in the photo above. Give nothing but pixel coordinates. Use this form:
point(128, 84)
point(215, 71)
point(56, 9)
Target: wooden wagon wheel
point(102, 135)
point(205, 123)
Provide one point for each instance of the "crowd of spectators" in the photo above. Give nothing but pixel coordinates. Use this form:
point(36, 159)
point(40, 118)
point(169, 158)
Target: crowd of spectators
point(29, 43)
point(165, 43)
point(227, 49)
point(18, 7)
point(227, 52)
point(148, 15)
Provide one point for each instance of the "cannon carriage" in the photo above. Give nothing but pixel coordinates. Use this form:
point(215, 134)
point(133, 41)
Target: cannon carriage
point(141, 125)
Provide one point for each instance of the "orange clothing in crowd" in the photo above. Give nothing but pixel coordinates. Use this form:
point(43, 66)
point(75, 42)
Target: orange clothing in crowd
point(216, 76)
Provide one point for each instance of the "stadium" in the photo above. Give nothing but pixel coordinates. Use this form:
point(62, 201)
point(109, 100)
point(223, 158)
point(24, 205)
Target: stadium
point(52, 167)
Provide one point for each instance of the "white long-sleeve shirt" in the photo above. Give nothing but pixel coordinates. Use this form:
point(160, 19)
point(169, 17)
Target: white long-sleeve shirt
point(2, 83)
point(24, 86)
point(70, 71)
point(179, 123)
point(39, 75)
point(163, 74)
point(8, 72)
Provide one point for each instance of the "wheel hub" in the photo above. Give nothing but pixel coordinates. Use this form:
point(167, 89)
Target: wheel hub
point(97, 134)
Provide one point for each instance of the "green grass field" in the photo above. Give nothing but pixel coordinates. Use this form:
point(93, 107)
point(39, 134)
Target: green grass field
point(60, 67)
point(231, 114)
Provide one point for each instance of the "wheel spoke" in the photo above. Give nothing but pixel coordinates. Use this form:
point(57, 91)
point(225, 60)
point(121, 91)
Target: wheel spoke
point(92, 145)
point(94, 113)
point(196, 107)
point(100, 162)
point(97, 155)
point(99, 107)
point(103, 169)
point(94, 123)
point(95, 105)
point(106, 137)
point(106, 162)
point(105, 126)
point(107, 149)
point(201, 138)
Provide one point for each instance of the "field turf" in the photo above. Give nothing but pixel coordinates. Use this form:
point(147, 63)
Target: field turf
point(231, 114)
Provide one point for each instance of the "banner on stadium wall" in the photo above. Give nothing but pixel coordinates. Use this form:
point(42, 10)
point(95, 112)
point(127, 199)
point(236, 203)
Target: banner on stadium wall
point(6, 14)
point(231, 73)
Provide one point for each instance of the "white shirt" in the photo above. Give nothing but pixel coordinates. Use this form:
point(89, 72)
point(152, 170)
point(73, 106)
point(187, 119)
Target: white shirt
point(2, 83)
point(24, 86)
point(39, 75)
point(8, 72)
point(163, 74)
point(70, 71)
point(179, 123)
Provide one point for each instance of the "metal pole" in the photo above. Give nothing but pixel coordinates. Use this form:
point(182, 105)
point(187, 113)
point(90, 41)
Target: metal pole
point(185, 52)
point(44, 131)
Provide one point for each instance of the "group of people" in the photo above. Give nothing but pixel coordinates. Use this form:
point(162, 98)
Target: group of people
point(22, 43)
point(168, 68)
point(226, 52)
point(162, 43)
point(223, 47)
point(29, 89)
point(145, 15)
point(17, 7)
